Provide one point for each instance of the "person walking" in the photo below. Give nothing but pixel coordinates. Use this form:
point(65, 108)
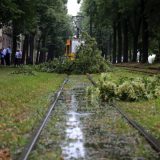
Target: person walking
point(8, 55)
point(16, 58)
point(3, 54)
point(20, 57)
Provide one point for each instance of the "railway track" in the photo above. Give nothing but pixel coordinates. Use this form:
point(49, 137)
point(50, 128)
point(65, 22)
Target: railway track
point(155, 144)
point(34, 138)
point(142, 70)
point(27, 149)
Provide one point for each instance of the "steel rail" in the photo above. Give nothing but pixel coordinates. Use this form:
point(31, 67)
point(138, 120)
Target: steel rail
point(27, 150)
point(152, 140)
point(154, 143)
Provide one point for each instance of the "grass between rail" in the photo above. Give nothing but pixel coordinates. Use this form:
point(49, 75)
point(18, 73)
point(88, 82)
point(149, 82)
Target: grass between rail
point(145, 112)
point(23, 101)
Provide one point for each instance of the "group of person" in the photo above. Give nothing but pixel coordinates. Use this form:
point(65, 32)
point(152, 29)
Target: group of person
point(5, 56)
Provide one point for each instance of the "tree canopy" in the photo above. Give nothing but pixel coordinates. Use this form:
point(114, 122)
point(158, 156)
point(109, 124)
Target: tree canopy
point(122, 27)
point(45, 21)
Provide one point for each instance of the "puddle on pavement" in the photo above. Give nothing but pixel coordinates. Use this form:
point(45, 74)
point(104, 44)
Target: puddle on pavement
point(78, 130)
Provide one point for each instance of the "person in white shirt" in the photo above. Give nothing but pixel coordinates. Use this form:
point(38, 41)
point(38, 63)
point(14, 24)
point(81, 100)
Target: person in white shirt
point(3, 55)
point(8, 55)
point(16, 57)
point(138, 56)
point(20, 57)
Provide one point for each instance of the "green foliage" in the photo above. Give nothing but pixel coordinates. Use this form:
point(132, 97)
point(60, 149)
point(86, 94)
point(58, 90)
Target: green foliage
point(129, 89)
point(57, 65)
point(88, 60)
point(24, 71)
point(43, 50)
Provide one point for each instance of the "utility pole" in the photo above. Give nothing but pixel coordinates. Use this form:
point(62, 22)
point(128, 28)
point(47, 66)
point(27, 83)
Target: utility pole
point(77, 21)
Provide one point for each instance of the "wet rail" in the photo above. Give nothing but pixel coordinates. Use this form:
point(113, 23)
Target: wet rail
point(27, 149)
point(73, 129)
point(155, 144)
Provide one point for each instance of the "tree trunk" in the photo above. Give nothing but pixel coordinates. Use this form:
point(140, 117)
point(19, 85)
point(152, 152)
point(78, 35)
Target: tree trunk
point(119, 42)
point(125, 47)
point(38, 49)
point(110, 47)
point(42, 54)
point(50, 53)
point(135, 47)
point(14, 48)
point(25, 49)
point(114, 42)
point(31, 42)
point(145, 37)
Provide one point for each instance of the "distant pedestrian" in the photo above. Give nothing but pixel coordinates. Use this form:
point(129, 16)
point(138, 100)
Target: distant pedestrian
point(138, 56)
point(20, 57)
point(3, 54)
point(8, 56)
point(16, 58)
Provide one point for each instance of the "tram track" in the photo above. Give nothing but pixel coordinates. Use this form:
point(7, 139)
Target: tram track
point(150, 72)
point(34, 138)
point(154, 143)
point(29, 147)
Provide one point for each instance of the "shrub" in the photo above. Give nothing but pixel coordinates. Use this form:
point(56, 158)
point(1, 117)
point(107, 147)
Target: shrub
point(129, 89)
point(107, 91)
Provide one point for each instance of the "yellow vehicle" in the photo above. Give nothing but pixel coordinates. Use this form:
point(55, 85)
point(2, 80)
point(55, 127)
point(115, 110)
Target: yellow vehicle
point(71, 48)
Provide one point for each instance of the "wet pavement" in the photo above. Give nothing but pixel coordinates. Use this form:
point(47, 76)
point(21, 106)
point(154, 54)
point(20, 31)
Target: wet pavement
point(81, 130)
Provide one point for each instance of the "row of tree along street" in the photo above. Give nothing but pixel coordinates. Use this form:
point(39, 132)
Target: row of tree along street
point(44, 25)
point(121, 27)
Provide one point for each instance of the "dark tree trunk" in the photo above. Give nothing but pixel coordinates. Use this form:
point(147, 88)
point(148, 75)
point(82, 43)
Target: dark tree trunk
point(145, 37)
point(42, 54)
point(135, 47)
point(114, 42)
point(130, 54)
point(38, 49)
point(135, 25)
point(119, 42)
point(14, 48)
point(125, 47)
point(110, 47)
point(25, 49)
point(31, 42)
point(50, 53)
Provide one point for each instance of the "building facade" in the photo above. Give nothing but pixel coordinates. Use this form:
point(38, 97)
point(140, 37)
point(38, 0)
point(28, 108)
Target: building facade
point(5, 37)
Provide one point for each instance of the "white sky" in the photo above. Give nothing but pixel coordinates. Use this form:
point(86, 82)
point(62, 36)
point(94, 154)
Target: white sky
point(73, 7)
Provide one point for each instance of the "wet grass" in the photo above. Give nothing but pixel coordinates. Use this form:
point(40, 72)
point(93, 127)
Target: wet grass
point(145, 112)
point(23, 101)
